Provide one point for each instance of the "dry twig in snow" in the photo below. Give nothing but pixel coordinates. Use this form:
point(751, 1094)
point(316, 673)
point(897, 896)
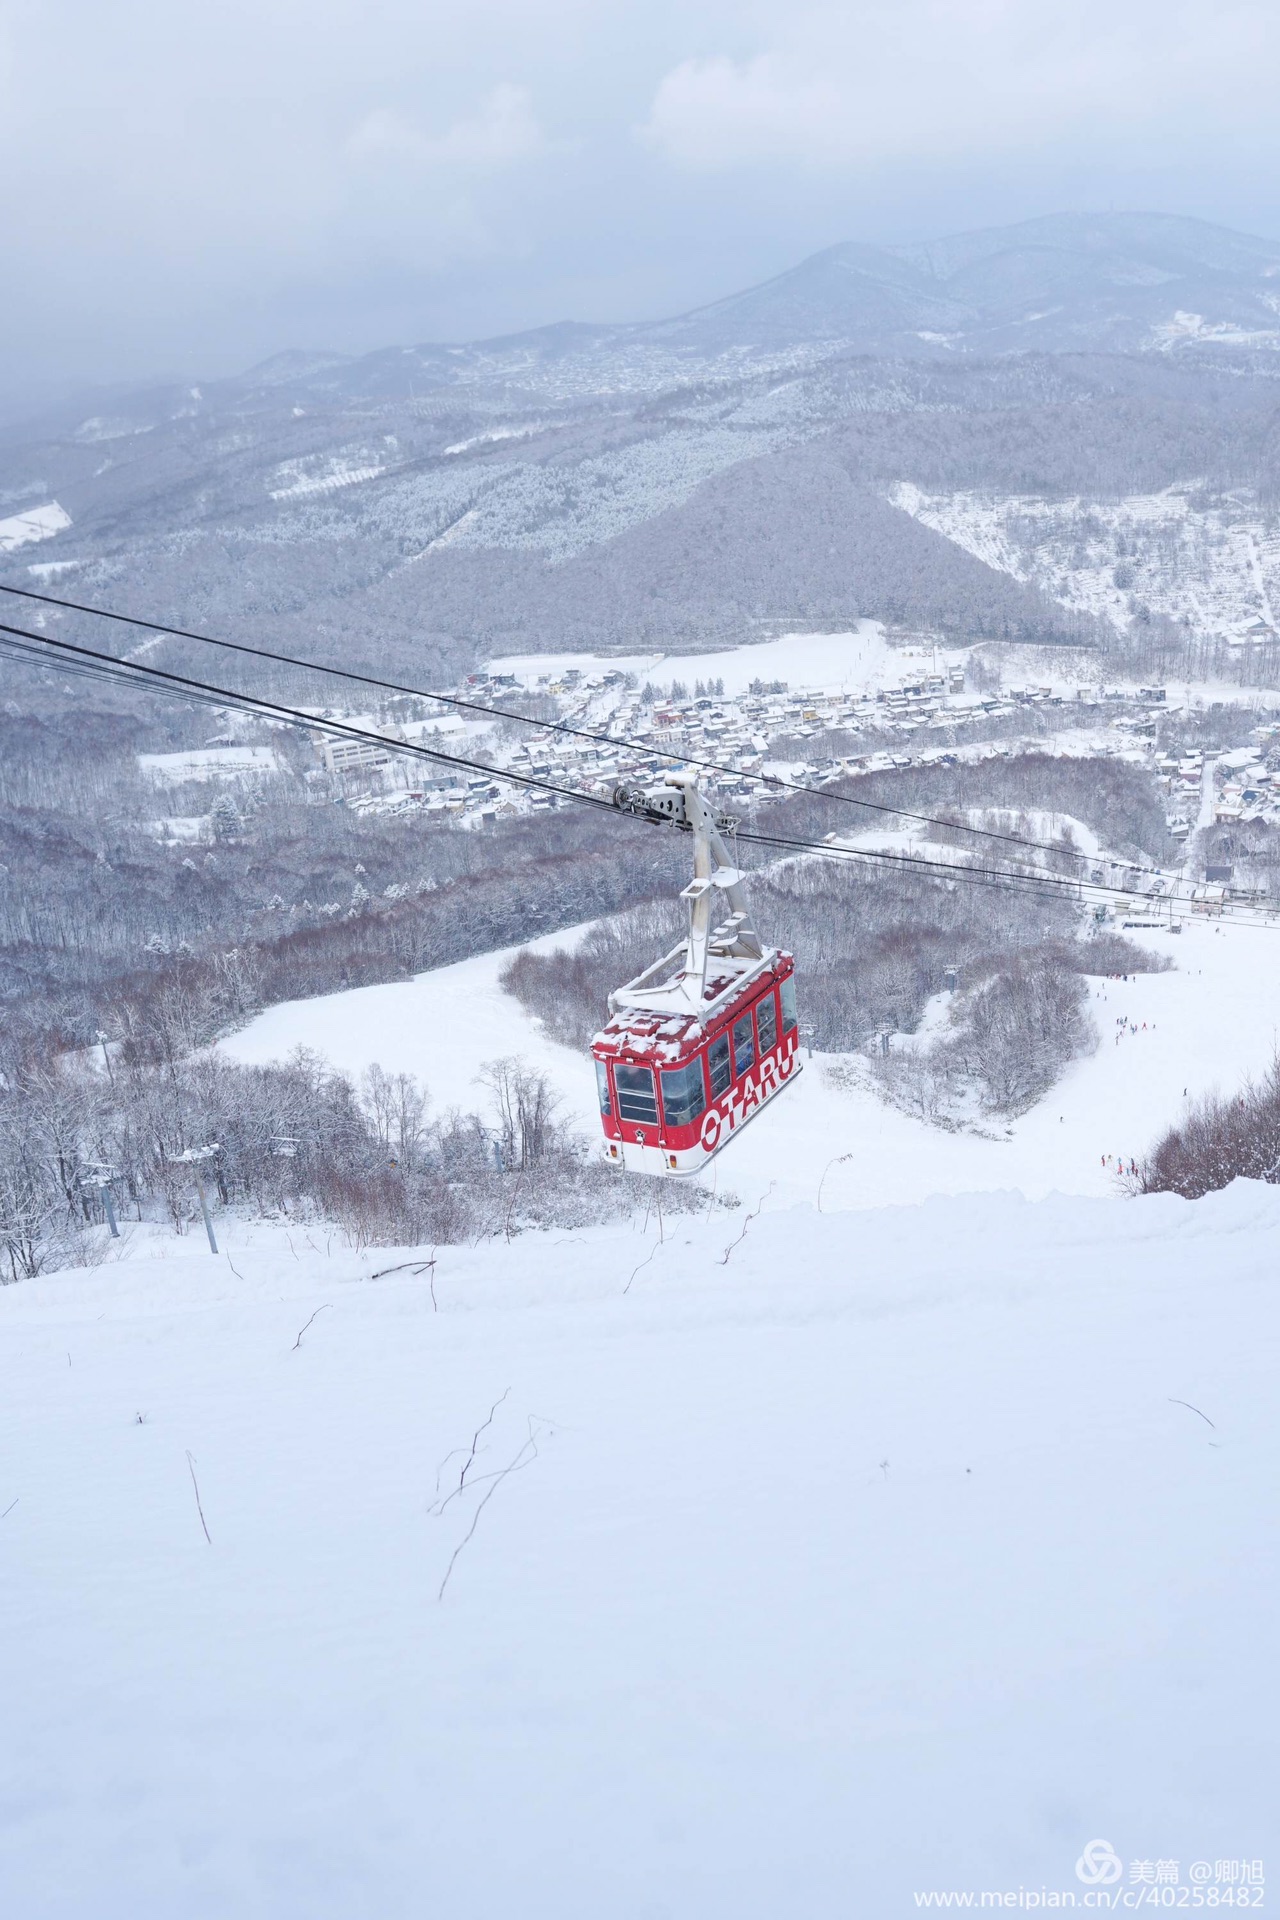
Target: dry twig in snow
point(298, 1342)
point(839, 1158)
point(724, 1258)
point(525, 1458)
point(191, 1469)
point(644, 1263)
point(1190, 1409)
point(470, 1460)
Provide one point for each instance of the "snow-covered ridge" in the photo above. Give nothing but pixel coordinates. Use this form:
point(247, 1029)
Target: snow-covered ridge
point(1211, 561)
point(562, 510)
point(1185, 327)
point(493, 435)
point(102, 427)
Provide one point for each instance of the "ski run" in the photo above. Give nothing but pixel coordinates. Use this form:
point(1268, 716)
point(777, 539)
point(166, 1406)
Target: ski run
point(901, 1528)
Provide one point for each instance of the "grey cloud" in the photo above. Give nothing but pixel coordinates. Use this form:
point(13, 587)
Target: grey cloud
point(921, 78)
point(189, 189)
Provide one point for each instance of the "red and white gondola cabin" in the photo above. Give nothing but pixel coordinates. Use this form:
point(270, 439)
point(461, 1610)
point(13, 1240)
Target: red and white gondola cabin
point(705, 1037)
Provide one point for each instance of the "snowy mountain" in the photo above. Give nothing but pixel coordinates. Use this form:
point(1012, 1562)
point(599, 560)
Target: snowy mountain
point(1069, 283)
point(703, 477)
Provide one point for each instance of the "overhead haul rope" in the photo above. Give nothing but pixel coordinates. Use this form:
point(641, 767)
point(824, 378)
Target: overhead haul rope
point(546, 726)
point(34, 649)
point(1043, 886)
point(133, 673)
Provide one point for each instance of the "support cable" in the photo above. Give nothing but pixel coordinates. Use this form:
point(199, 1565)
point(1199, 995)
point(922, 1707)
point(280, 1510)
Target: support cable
point(547, 726)
point(32, 648)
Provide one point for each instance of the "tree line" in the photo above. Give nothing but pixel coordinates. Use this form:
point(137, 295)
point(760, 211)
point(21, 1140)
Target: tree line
point(297, 1141)
point(1221, 1138)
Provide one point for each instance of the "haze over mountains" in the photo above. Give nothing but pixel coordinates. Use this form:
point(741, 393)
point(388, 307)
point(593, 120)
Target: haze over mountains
point(817, 448)
point(1116, 283)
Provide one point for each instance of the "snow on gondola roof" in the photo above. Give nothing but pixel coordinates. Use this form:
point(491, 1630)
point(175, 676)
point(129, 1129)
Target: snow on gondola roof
point(666, 1037)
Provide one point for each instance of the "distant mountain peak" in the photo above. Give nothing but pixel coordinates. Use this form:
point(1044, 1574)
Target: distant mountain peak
point(1113, 281)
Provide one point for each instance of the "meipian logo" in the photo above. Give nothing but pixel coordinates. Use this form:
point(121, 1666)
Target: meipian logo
point(1099, 1864)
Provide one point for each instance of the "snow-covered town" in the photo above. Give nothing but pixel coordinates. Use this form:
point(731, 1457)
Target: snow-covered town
point(895, 707)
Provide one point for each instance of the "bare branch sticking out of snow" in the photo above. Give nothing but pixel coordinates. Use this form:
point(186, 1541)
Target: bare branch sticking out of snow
point(191, 1469)
point(643, 1264)
point(1174, 1402)
point(471, 1453)
point(653, 1250)
point(526, 1456)
point(319, 1310)
point(724, 1258)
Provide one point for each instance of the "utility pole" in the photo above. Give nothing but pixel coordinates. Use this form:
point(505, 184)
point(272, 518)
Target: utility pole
point(193, 1157)
point(100, 1178)
point(108, 1205)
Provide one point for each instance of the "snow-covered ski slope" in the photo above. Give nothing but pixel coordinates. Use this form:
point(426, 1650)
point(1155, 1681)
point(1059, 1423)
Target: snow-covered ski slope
point(1208, 1024)
point(783, 1559)
point(870, 1555)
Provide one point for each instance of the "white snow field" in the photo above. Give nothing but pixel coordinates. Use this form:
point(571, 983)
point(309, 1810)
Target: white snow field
point(37, 523)
point(854, 661)
point(870, 1555)
point(207, 763)
point(820, 1552)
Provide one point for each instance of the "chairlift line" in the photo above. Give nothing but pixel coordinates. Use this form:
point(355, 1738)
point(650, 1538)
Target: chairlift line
point(205, 693)
point(502, 713)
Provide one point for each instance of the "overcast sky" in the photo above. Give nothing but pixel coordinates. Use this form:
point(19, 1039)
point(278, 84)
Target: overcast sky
point(190, 185)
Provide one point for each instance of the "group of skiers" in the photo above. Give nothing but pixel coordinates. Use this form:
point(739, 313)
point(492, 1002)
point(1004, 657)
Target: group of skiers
point(1132, 1025)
